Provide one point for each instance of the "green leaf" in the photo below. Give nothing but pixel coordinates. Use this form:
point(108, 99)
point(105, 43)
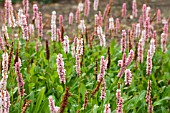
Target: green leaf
point(161, 101)
point(39, 100)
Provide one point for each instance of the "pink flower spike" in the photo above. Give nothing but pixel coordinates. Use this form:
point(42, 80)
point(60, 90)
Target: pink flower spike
point(25, 4)
point(107, 108)
point(166, 29)
point(1, 44)
point(60, 68)
point(149, 63)
point(40, 25)
point(20, 80)
point(144, 12)
point(87, 8)
point(53, 108)
point(53, 26)
point(158, 16)
point(134, 9)
point(103, 90)
point(130, 57)
point(117, 25)
point(124, 10)
point(35, 11)
point(163, 42)
point(103, 66)
point(77, 16)
point(100, 19)
point(61, 21)
point(71, 18)
point(138, 31)
point(66, 44)
point(128, 77)
point(123, 41)
point(140, 51)
point(59, 35)
point(123, 65)
point(111, 23)
point(120, 101)
point(96, 4)
point(78, 70)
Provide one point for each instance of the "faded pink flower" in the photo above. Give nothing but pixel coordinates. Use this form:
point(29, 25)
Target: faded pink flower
point(158, 16)
point(53, 26)
point(96, 4)
point(117, 25)
point(111, 23)
point(71, 18)
point(66, 44)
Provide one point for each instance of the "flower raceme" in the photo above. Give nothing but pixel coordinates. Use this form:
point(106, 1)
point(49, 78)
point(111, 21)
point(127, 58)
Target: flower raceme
point(149, 63)
point(66, 44)
point(78, 70)
point(103, 66)
point(111, 23)
point(134, 8)
point(140, 51)
point(128, 77)
point(123, 41)
point(107, 108)
point(71, 15)
point(60, 68)
point(103, 90)
point(53, 108)
point(119, 108)
point(19, 78)
point(4, 101)
point(87, 8)
point(124, 10)
point(95, 5)
point(53, 26)
point(125, 62)
point(40, 25)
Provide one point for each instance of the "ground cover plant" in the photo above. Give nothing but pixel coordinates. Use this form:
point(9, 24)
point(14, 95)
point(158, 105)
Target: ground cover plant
point(104, 63)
